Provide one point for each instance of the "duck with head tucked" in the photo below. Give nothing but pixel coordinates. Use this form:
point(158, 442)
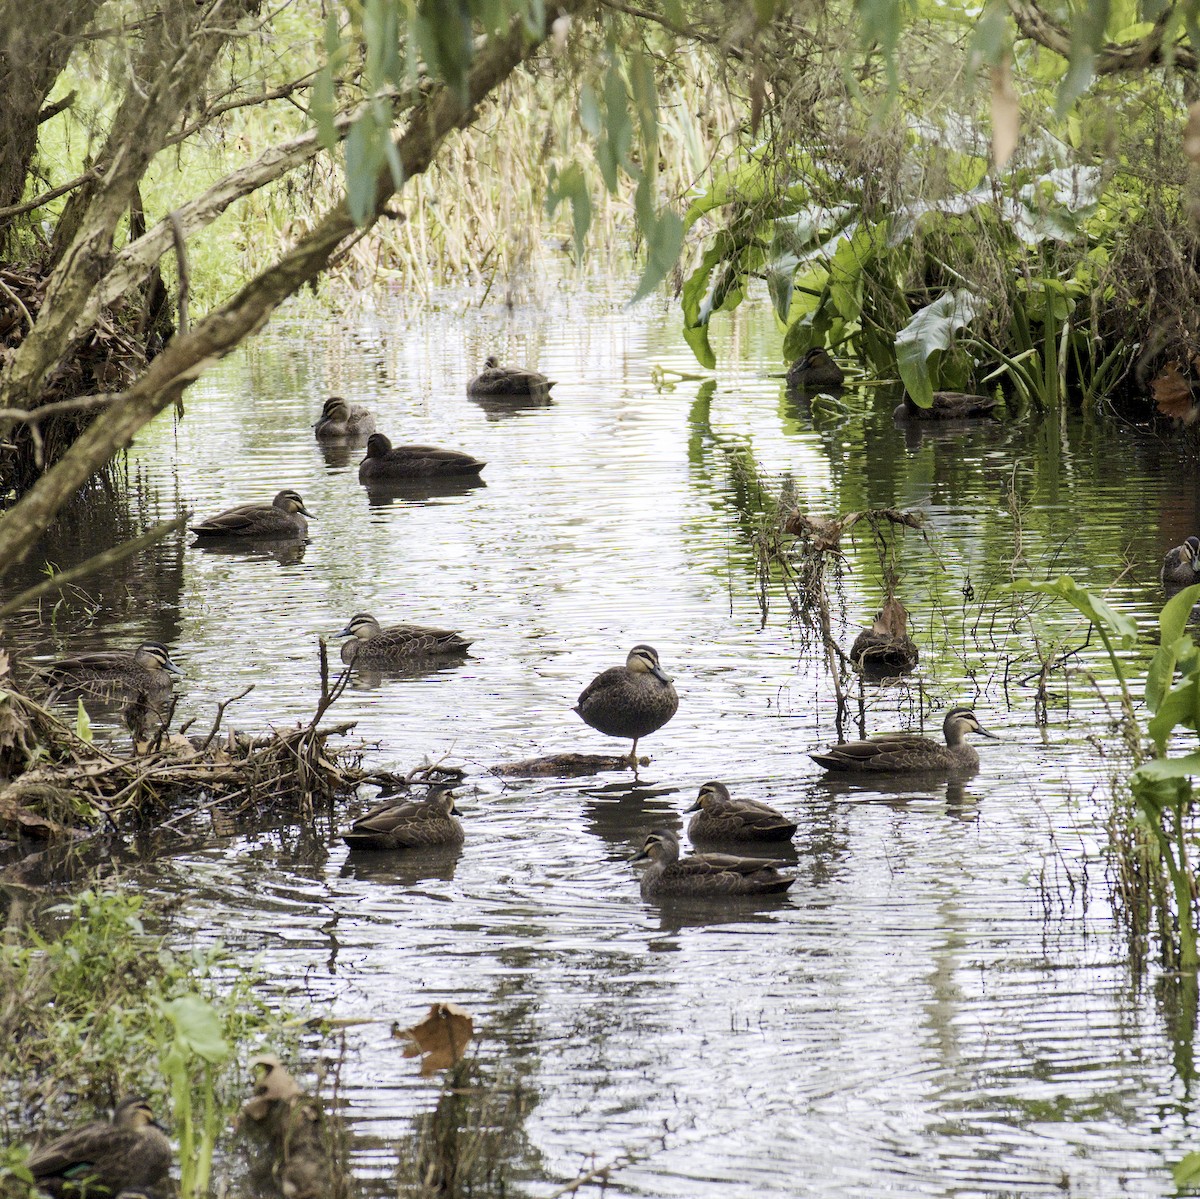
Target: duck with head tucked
point(633, 700)
point(398, 823)
point(720, 817)
point(341, 420)
point(1181, 566)
point(386, 461)
point(885, 649)
point(910, 753)
point(280, 519)
point(701, 874)
point(131, 1153)
point(497, 380)
point(398, 644)
point(814, 372)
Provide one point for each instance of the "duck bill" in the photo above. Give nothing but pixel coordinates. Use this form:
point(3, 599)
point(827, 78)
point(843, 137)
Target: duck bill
point(980, 729)
point(172, 668)
point(640, 856)
point(344, 633)
point(694, 808)
point(659, 673)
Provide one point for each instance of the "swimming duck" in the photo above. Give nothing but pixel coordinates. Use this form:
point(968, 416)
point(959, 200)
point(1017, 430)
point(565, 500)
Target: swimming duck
point(947, 405)
point(497, 380)
point(722, 818)
point(631, 700)
point(886, 649)
point(386, 461)
point(282, 517)
point(408, 824)
point(814, 371)
point(909, 753)
point(372, 645)
point(146, 669)
point(1181, 566)
point(340, 419)
point(702, 874)
point(102, 1158)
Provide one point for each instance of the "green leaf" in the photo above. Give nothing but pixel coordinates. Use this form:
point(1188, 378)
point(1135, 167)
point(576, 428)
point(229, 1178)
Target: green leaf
point(83, 725)
point(197, 1027)
point(1173, 619)
point(443, 31)
point(931, 330)
point(1187, 1171)
point(364, 157)
point(1085, 602)
point(323, 98)
point(613, 151)
point(663, 244)
point(1087, 36)
point(571, 184)
point(1176, 708)
point(697, 338)
point(1161, 671)
point(1159, 769)
point(991, 40)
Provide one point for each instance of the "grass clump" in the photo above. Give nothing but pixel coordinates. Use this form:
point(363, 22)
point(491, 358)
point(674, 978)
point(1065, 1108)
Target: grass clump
point(95, 1007)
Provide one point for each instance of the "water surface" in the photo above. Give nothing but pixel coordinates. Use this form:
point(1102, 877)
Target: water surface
point(941, 1005)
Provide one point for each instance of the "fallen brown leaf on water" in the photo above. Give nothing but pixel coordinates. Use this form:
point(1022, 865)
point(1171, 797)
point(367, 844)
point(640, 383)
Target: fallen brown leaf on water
point(441, 1038)
point(1173, 394)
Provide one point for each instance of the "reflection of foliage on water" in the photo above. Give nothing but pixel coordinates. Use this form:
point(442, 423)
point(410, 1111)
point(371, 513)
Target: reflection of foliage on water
point(473, 1142)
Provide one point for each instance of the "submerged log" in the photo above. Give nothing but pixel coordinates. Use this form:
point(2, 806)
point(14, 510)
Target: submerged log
point(564, 765)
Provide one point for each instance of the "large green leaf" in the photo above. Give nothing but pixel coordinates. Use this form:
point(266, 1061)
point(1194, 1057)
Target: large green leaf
point(663, 242)
point(197, 1027)
point(1158, 769)
point(1173, 644)
point(1087, 603)
point(931, 330)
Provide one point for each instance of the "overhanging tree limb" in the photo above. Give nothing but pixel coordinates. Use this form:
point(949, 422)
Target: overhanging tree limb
point(186, 357)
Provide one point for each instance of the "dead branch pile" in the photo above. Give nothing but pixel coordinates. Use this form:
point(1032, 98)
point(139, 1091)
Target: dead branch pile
point(61, 785)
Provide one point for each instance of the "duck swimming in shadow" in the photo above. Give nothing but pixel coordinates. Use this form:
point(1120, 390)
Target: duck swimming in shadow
point(947, 406)
point(1181, 566)
point(816, 371)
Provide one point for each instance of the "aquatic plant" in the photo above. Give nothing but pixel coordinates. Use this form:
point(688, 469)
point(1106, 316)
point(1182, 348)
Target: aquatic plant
point(96, 1007)
point(1149, 838)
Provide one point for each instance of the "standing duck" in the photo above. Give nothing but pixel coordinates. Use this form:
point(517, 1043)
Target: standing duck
point(701, 874)
point(283, 517)
point(720, 817)
point(947, 405)
point(885, 649)
point(497, 380)
point(814, 371)
point(386, 461)
point(909, 753)
point(1181, 566)
point(371, 645)
point(130, 1153)
point(408, 823)
point(342, 420)
point(631, 700)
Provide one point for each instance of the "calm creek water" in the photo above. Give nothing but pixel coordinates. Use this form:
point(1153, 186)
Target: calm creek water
point(942, 1004)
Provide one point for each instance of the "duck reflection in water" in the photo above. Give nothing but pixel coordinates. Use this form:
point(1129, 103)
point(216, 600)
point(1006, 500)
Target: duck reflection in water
point(382, 493)
point(283, 552)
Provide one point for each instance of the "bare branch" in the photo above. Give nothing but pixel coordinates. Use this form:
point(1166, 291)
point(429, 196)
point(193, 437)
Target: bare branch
point(52, 194)
point(1111, 58)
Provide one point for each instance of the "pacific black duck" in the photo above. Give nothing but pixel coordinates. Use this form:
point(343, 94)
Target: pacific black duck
point(497, 380)
point(283, 517)
point(1181, 566)
point(947, 405)
point(340, 420)
point(631, 700)
point(720, 817)
point(702, 874)
point(296, 1127)
point(814, 371)
point(909, 753)
point(145, 670)
point(371, 645)
point(102, 1158)
point(386, 461)
point(408, 823)
point(886, 649)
